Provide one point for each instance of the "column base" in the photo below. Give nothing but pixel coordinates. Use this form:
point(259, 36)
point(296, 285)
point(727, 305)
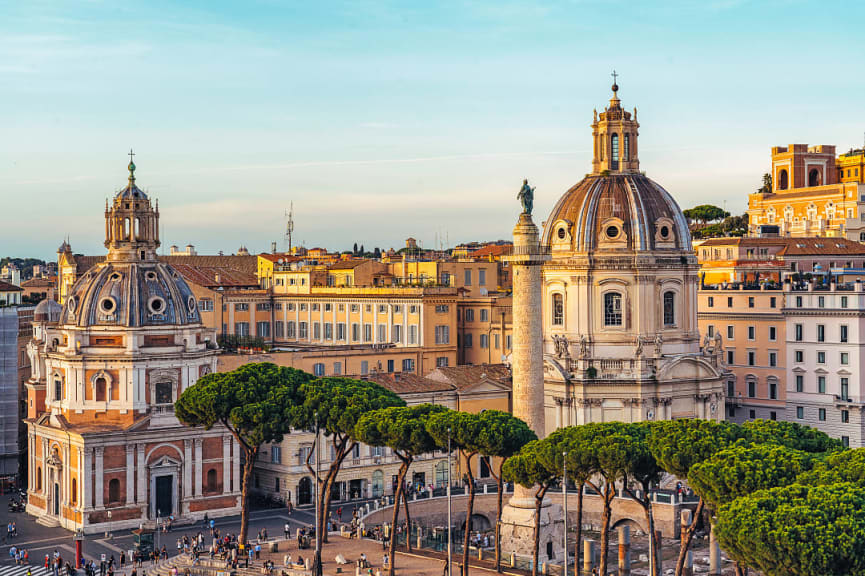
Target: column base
point(518, 530)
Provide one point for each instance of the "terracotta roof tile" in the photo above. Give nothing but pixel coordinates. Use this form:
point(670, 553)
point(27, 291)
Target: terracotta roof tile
point(465, 376)
point(7, 287)
point(408, 383)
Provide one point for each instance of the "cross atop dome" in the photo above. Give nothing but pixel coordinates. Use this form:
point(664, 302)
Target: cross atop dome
point(131, 167)
point(615, 85)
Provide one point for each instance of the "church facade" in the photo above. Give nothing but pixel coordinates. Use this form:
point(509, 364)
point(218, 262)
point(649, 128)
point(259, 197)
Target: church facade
point(105, 449)
point(621, 340)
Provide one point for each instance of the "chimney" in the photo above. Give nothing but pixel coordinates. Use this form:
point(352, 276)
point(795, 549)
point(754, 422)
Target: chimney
point(273, 247)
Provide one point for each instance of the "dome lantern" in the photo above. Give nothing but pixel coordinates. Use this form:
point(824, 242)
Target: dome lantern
point(131, 224)
point(615, 137)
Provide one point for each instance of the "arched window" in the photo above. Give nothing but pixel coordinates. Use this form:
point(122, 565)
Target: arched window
point(138, 228)
point(74, 490)
point(211, 480)
point(612, 309)
point(39, 478)
point(782, 180)
point(614, 151)
point(126, 228)
point(627, 154)
point(377, 484)
point(114, 490)
point(814, 177)
point(558, 310)
point(669, 308)
point(101, 387)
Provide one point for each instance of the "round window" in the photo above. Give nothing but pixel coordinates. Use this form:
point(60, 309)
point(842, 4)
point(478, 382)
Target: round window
point(114, 277)
point(107, 305)
point(71, 303)
point(562, 233)
point(151, 276)
point(665, 231)
point(156, 305)
point(612, 231)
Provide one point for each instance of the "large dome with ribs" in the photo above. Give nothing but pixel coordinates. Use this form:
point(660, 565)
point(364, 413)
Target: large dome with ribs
point(616, 212)
point(131, 294)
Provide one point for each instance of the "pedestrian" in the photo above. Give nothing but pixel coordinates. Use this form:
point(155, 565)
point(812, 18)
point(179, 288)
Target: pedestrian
point(286, 530)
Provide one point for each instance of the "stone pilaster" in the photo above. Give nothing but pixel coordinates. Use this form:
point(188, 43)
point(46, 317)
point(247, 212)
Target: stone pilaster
point(226, 464)
point(99, 478)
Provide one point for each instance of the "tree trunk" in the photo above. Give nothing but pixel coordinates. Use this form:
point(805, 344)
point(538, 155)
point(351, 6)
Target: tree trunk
point(407, 516)
point(740, 570)
point(579, 534)
point(342, 451)
point(650, 522)
point(608, 494)
point(248, 464)
point(400, 490)
point(499, 502)
point(539, 501)
point(686, 538)
point(469, 510)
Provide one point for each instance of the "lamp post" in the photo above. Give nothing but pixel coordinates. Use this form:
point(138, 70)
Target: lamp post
point(317, 448)
point(450, 521)
point(565, 506)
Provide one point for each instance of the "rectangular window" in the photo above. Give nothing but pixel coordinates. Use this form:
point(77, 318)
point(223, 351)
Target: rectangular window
point(290, 330)
point(821, 333)
point(279, 329)
point(390, 365)
point(316, 330)
point(800, 383)
point(303, 307)
point(355, 332)
point(467, 341)
point(485, 315)
point(711, 301)
point(337, 368)
point(800, 356)
point(262, 329)
point(205, 305)
point(845, 417)
point(482, 277)
point(262, 307)
point(773, 415)
point(730, 332)
point(729, 301)
point(328, 307)
point(845, 358)
point(442, 334)
point(752, 389)
point(485, 341)
point(731, 388)
point(315, 307)
point(845, 440)
point(750, 301)
point(397, 309)
point(773, 333)
point(275, 454)
point(364, 367)
point(367, 332)
point(241, 328)
point(773, 359)
point(241, 307)
point(799, 329)
point(843, 333)
point(412, 335)
point(772, 302)
point(821, 414)
point(441, 308)
point(845, 389)
point(328, 331)
point(395, 332)
point(843, 301)
point(798, 301)
point(752, 358)
point(468, 275)
point(318, 369)
point(752, 333)
point(340, 331)
point(800, 412)
point(470, 315)
point(821, 357)
point(821, 301)
point(669, 309)
point(290, 306)
point(710, 330)
point(382, 309)
point(508, 342)
point(752, 414)
point(612, 309)
point(355, 308)
point(303, 330)
point(731, 357)
point(442, 362)
point(773, 391)
point(408, 365)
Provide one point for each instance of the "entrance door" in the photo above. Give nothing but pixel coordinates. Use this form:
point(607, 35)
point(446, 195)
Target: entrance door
point(304, 491)
point(356, 489)
point(164, 496)
point(56, 499)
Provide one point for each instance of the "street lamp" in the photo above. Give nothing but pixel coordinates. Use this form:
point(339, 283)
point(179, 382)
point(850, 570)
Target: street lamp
point(565, 506)
point(450, 521)
point(317, 448)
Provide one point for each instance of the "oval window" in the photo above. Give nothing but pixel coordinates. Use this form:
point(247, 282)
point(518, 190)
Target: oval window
point(157, 305)
point(71, 303)
point(107, 305)
point(114, 277)
point(665, 231)
point(190, 303)
point(562, 233)
point(612, 231)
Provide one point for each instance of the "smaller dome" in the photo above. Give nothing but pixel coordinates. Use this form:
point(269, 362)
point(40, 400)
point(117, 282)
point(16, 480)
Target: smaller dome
point(47, 311)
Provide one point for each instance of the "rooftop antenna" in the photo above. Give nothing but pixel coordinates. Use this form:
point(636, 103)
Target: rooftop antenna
point(289, 226)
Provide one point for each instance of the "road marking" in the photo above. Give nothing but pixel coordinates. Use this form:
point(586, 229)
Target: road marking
point(21, 570)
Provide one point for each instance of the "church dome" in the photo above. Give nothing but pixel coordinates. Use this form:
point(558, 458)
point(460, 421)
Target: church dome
point(626, 211)
point(616, 207)
point(129, 294)
point(47, 311)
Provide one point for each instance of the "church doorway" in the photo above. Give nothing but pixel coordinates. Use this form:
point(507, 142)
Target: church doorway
point(164, 496)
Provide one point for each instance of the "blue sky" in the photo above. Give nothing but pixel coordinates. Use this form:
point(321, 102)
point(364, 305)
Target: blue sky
point(383, 120)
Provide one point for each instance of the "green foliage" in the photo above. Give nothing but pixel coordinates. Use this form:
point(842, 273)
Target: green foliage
point(740, 471)
point(705, 213)
point(845, 466)
point(255, 401)
point(466, 430)
point(527, 467)
point(401, 428)
point(680, 444)
point(791, 435)
point(502, 434)
point(797, 530)
point(340, 403)
point(766, 188)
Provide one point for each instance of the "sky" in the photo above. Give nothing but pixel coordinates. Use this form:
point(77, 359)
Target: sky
point(383, 120)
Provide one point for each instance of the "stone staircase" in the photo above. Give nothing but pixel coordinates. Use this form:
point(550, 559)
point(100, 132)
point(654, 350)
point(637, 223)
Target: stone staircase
point(208, 567)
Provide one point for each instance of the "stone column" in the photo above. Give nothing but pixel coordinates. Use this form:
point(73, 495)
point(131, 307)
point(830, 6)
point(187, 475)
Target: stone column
point(714, 555)
point(624, 550)
point(527, 368)
point(130, 473)
point(588, 556)
point(187, 469)
point(226, 464)
point(197, 467)
point(689, 564)
point(81, 468)
point(87, 478)
point(235, 465)
point(98, 483)
point(142, 476)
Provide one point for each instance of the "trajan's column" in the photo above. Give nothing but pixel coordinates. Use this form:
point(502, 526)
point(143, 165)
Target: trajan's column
point(527, 368)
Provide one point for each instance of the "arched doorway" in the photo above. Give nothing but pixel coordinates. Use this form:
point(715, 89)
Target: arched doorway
point(814, 177)
point(304, 491)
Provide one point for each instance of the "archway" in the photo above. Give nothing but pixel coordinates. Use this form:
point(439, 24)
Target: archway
point(814, 177)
